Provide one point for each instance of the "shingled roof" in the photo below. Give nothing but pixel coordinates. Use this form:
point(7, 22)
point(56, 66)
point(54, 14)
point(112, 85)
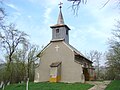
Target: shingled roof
point(76, 52)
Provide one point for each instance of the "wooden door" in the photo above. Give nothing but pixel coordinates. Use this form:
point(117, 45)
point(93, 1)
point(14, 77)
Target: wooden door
point(86, 74)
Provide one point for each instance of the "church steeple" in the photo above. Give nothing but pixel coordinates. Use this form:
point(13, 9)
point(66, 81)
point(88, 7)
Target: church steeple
point(60, 31)
point(60, 17)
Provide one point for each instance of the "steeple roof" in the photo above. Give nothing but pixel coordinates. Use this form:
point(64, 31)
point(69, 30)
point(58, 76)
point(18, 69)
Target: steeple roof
point(60, 17)
point(60, 21)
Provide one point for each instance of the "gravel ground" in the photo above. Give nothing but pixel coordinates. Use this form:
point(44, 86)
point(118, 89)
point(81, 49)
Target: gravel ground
point(99, 85)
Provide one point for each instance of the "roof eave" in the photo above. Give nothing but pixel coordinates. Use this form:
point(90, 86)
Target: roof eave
point(60, 25)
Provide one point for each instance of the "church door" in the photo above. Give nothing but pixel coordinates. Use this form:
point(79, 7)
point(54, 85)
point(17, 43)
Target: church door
point(86, 74)
point(55, 72)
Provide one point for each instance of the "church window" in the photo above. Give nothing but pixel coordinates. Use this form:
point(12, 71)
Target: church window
point(66, 32)
point(57, 30)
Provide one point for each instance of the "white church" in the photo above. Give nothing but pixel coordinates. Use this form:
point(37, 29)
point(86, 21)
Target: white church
point(61, 62)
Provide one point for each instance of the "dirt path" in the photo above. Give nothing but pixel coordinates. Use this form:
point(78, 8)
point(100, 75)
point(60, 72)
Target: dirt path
point(99, 85)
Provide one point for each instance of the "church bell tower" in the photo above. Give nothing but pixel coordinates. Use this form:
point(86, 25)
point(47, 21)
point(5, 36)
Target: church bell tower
point(60, 31)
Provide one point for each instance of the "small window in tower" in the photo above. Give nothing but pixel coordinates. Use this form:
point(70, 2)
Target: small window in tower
point(66, 32)
point(57, 30)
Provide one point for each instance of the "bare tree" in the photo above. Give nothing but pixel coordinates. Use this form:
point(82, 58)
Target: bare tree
point(91, 55)
point(31, 57)
point(10, 40)
point(95, 57)
point(113, 55)
point(97, 61)
point(76, 4)
point(2, 14)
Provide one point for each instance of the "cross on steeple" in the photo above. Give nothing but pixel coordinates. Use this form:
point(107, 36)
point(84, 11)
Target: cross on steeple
point(60, 4)
point(60, 17)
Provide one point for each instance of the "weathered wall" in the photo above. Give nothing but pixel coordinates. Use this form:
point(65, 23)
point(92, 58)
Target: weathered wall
point(70, 70)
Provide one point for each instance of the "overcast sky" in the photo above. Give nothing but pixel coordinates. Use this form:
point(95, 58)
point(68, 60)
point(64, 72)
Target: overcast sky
point(90, 30)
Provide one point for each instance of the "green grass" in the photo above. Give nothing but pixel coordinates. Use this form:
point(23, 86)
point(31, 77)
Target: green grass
point(49, 86)
point(114, 85)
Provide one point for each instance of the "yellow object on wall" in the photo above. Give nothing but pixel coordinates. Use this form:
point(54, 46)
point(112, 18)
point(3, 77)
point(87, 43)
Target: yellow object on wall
point(55, 72)
point(55, 79)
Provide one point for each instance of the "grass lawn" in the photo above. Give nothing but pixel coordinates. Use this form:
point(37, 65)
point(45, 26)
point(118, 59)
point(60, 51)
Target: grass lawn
point(49, 86)
point(114, 85)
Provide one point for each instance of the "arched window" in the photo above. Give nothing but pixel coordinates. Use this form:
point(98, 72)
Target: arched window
point(57, 30)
